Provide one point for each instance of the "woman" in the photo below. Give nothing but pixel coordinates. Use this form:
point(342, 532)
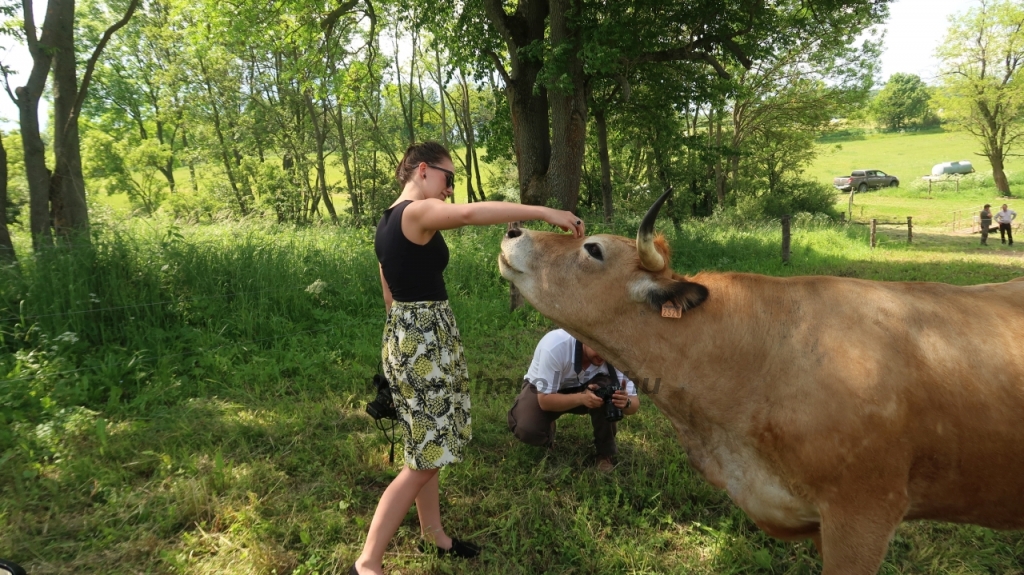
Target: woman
point(422, 351)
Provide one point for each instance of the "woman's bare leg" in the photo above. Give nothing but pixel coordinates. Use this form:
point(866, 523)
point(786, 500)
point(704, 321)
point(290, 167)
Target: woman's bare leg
point(428, 505)
point(393, 505)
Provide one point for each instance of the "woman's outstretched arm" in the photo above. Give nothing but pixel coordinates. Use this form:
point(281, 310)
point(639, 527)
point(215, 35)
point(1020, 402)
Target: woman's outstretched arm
point(431, 215)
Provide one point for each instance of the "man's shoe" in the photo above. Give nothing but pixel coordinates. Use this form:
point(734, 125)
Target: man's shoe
point(604, 464)
point(461, 549)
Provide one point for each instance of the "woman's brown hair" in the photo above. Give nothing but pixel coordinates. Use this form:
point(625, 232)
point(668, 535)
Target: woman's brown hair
point(429, 152)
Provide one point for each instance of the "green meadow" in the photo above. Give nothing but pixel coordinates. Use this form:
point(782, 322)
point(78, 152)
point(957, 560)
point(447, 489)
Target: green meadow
point(189, 399)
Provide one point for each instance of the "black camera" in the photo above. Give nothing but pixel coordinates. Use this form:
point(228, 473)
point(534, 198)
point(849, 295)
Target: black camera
point(382, 406)
point(605, 387)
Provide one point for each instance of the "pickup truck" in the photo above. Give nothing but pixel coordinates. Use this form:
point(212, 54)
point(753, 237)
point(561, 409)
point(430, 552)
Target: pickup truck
point(862, 180)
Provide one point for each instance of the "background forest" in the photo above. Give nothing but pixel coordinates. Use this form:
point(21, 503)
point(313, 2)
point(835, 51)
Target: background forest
point(299, 112)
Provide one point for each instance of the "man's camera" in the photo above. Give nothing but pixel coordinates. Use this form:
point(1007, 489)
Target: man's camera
point(382, 406)
point(605, 387)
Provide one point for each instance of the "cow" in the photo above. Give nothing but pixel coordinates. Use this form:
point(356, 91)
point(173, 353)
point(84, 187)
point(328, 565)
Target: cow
point(828, 408)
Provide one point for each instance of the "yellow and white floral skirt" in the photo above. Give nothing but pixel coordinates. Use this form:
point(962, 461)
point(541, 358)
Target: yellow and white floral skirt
point(424, 361)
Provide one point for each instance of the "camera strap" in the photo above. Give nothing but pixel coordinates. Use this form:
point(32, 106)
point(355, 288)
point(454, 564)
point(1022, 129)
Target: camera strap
point(390, 435)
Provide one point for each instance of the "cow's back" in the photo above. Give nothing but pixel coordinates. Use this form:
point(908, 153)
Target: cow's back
point(915, 380)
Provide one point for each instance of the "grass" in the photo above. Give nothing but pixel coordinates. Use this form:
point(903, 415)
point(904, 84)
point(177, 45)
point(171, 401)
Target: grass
point(905, 155)
point(910, 156)
point(189, 400)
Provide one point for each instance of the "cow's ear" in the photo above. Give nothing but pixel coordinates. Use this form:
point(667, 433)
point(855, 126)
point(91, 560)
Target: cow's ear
point(657, 291)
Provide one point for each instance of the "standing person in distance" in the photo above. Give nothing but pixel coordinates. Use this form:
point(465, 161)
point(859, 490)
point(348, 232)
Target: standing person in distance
point(986, 222)
point(422, 350)
point(1005, 218)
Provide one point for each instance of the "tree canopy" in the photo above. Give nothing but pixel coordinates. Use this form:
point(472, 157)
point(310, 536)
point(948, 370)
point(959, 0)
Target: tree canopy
point(982, 84)
point(300, 111)
point(902, 102)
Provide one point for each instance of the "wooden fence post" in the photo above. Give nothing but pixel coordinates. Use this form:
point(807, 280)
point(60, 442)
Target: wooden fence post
point(515, 299)
point(874, 223)
point(910, 229)
point(842, 217)
point(785, 239)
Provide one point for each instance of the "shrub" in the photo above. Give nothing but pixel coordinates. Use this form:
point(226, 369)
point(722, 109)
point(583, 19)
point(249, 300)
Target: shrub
point(791, 196)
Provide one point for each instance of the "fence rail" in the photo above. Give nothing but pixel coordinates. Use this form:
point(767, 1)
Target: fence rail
point(874, 223)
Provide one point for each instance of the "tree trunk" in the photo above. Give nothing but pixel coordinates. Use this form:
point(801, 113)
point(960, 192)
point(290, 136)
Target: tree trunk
point(998, 172)
point(191, 163)
point(530, 129)
point(998, 175)
point(28, 113)
point(467, 124)
point(69, 211)
point(720, 176)
point(527, 100)
point(568, 109)
point(606, 166)
point(35, 169)
point(407, 109)
point(345, 163)
point(479, 181)
point(7, 255)
point(441, 90)
point(321, 166)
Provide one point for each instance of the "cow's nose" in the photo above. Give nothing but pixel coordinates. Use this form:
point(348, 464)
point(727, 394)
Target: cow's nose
point(513, 233)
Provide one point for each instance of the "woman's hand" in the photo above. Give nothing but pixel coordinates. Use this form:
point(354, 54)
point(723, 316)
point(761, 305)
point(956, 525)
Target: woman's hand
point(566, 221)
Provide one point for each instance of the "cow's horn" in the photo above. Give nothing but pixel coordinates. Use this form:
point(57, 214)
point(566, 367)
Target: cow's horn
point(649, 256)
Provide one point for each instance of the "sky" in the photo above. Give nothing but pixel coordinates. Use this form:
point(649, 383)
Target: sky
point(913, 32)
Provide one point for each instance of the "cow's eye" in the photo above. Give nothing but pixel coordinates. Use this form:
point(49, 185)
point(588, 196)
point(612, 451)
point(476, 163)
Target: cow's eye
point(594, 250)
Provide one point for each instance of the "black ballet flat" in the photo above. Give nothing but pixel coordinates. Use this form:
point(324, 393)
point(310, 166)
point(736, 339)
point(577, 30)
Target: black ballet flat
point(460, 549)
point(353, 571)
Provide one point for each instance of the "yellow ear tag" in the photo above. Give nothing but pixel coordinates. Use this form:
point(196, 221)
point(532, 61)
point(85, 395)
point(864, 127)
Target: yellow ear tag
point(670, 309)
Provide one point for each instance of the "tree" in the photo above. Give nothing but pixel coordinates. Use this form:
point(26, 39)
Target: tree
point(902, 102)
point(60, 193)
point(548, 52)
point(138, 91)
point(982, 85)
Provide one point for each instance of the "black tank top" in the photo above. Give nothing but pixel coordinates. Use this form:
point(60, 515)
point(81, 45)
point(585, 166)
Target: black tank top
point(413, 272)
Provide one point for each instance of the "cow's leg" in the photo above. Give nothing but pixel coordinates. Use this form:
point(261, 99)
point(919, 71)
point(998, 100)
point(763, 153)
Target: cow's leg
point(855, 534)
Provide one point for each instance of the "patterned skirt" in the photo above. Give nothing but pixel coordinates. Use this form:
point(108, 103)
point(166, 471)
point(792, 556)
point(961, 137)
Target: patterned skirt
point(423, 359)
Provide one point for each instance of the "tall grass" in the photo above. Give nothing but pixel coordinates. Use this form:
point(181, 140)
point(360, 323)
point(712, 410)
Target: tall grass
point(189, 400)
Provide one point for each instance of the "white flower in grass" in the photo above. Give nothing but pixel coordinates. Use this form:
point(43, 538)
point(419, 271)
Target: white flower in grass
point(68, 337)
point(316, 287)
point(94, 298)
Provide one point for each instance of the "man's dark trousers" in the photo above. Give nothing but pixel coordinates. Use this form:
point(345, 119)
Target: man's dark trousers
point(1006, 233)
point(534, 426)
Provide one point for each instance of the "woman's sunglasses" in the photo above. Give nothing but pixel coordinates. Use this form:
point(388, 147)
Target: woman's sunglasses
point(449, 176)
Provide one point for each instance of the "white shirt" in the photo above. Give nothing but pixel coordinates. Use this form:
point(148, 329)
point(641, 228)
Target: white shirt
point(552, 367)
point(1006, 216)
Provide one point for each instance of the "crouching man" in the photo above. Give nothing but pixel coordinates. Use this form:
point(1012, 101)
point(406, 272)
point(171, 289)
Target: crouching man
point(565, 377)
